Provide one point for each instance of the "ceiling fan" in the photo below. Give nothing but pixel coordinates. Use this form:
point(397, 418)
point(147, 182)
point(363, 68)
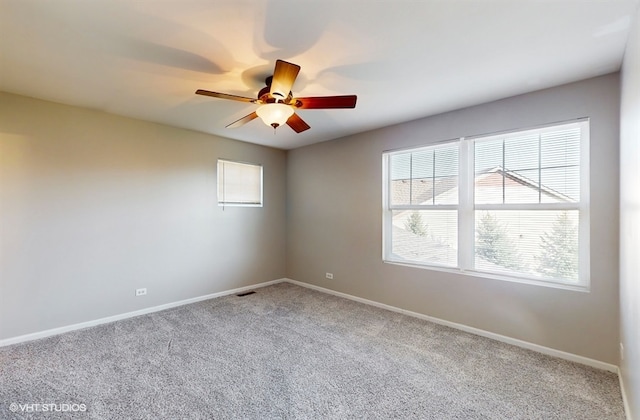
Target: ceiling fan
point(277, 103)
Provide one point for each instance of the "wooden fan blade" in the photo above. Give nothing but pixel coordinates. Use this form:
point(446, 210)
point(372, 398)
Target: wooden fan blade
point(325, 102)
point(297, 123)
point(225, 96)
point(243, 120)
point(283, 77)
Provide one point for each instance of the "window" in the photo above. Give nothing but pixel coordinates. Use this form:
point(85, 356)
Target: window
point(512, 206)
point(239, 184)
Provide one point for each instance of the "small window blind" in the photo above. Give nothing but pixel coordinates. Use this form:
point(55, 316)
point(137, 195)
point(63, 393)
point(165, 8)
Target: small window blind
point(239, 184)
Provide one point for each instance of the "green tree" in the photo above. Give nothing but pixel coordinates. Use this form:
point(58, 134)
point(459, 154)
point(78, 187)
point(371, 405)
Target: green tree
point(493, 243)
point(559, 249)
point(415, 224)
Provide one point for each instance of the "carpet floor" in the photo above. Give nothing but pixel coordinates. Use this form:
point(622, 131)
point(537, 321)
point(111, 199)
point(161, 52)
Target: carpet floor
point(287, 352)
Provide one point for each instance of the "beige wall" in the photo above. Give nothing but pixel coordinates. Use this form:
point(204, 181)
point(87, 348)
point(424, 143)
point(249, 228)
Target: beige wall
point(93, 206)
point(334, 204)
point(630, 220)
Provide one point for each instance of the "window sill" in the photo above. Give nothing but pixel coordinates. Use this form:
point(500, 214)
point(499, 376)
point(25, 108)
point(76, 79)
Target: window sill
point(238, 205)
point(493, 276)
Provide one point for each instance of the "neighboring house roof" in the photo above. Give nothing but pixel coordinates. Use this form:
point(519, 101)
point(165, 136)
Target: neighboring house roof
point(513, 178)
point(443, 190)
point(420, 190)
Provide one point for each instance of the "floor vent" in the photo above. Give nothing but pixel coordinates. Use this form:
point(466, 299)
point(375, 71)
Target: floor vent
point(245, 293)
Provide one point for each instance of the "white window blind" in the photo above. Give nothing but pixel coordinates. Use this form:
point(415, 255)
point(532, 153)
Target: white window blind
point(239, 184)
point(513, 206)
point(423, 205)
point(527, 203)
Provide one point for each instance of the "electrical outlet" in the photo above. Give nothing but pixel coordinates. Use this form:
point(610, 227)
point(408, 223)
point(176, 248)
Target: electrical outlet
point(329, 276)
point(621, 351)
point(141, 292)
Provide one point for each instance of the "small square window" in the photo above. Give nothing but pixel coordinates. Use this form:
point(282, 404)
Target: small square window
point(239, 184)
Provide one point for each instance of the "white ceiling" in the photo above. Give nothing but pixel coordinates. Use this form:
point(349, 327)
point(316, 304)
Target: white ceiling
point(404, 59)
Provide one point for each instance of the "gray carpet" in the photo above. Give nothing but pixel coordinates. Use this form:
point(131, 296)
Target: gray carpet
point(287, 352)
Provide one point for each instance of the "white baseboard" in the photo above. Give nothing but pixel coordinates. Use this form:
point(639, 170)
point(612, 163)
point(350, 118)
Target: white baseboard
point(79, 326)
point(513, 341)
point(625, 400)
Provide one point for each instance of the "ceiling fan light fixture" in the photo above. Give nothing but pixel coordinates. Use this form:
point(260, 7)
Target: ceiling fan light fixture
point(277, 104)
point(274, 114)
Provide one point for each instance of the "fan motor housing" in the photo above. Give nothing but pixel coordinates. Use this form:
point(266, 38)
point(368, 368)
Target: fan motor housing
point(265, 94)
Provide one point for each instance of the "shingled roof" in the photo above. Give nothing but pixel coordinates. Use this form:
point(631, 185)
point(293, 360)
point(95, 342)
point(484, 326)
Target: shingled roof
point(443, 190)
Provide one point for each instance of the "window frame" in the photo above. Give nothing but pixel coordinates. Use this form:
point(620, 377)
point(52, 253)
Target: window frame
point(220, 183)
point(466, 209)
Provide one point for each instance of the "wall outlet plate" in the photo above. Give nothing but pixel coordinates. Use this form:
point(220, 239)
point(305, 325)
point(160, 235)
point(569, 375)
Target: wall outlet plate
point(329, 275)
point(141, 292)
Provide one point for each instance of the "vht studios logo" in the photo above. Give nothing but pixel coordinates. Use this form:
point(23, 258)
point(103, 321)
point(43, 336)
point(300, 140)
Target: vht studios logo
point(50, 407)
